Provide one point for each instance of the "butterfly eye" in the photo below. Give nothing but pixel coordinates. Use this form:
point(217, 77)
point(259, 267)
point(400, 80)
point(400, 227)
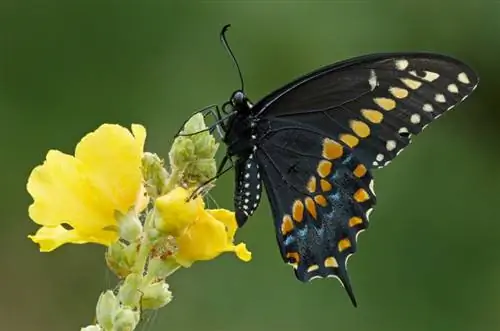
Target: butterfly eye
point(238, 98)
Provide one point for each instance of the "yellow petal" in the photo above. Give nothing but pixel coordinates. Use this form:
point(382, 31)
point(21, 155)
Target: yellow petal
point(175, 212)
point(63, 193)
point(112, 158)
point(142, 200)
point(227, 217)
point(204, 239)
point(139, 133)
point(242, 252)
point(50, 238)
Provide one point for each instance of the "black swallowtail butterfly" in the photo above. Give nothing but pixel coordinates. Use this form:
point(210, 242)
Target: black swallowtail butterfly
point(313, 143)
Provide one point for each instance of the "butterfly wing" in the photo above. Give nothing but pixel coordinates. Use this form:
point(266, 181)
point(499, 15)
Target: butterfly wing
point(373, 103)
point(321, 196)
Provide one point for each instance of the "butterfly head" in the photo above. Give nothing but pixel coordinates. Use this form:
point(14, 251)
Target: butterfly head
point(240, 102)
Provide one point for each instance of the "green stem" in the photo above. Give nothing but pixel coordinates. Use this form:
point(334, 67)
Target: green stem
point(173, 180)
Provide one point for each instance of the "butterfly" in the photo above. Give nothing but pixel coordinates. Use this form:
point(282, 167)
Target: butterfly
point(313, 143)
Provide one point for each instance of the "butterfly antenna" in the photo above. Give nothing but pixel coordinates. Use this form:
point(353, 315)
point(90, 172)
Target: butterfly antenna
point(228, 49)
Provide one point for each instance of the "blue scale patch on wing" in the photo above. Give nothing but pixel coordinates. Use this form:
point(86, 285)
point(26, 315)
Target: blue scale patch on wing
point(321, 196)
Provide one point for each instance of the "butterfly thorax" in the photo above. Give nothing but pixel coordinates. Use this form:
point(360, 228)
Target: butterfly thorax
point(240, 134)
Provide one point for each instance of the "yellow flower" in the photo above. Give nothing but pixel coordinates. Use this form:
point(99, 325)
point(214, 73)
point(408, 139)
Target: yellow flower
point(201, 234)
point(88, 190)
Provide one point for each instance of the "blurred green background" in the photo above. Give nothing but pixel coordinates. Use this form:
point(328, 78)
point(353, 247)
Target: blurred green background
point(431, 259)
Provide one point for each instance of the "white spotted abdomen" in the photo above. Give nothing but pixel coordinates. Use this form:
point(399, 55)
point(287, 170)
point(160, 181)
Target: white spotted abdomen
point(248, 186)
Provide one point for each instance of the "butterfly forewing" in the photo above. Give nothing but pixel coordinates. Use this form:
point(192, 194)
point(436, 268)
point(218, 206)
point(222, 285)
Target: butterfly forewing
point(320, 197)
point(374, 103)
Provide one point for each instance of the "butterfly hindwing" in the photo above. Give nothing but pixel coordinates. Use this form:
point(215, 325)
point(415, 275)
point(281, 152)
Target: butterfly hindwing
point(373, 103)
point(321, 196)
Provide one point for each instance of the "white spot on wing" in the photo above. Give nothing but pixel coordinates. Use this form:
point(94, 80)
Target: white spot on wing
point(373, 80)
point(427, 108)
point(462, 78)
point(401, 64)
point(390, 145)
point(379, 157)
point(440, 98)
point(453, 88)
point(415, 118)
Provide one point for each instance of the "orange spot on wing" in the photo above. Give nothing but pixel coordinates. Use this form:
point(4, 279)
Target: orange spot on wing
point(325, 185)
point(332, 149)
point(298, 211)
point(311, 184)
point(321, 200)
point(361, 195)
point(353, 221)
point(311, 207)
point(360, 171)
point(324, 168)
point(361, 129)
point(331, 262)
point(349, 140)
point(344, 244)
point(286, 225)
point(294, 258)
point(373, 116)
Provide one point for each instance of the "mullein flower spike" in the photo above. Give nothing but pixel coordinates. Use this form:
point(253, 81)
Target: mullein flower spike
point(113, 193)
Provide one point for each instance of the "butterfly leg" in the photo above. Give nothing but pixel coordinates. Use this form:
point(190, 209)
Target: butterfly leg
point(204, 111)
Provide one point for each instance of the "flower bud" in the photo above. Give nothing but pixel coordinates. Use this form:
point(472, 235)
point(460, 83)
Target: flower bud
point(106, 308)
point(156, 296)
point(126, 319)
point(130, 293)
point(162, 268)
point(120, 258)
point(154, 173)
point(129, 225)
point(195, 154)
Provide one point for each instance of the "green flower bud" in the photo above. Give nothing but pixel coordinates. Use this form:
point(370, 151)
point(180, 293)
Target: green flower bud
point(162, 268)
point(156, 296)
point(129, 226)
point(154, 173)
point(130, 293)
point(126, 319)
point(194, 155)
point(106, 308)
point(120, 258)
point(91, 328)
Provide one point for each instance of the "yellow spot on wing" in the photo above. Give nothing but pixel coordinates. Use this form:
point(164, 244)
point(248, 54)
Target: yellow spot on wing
point(385, 103)
point(353, 221)
point(311, 184)
point(298, 210)
point(361, 195)
point(349, 140)
point(373, 116)
point(360, 171)
point(312, 268)
point(332, 149)
point(331, 262)
point(325, 185)
point(360, 128)
point(399, 93)
point(411, 83)
point(344, 244)
point(286, 225)
point(321, 200)
point(324, 168)
point(311, 207)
